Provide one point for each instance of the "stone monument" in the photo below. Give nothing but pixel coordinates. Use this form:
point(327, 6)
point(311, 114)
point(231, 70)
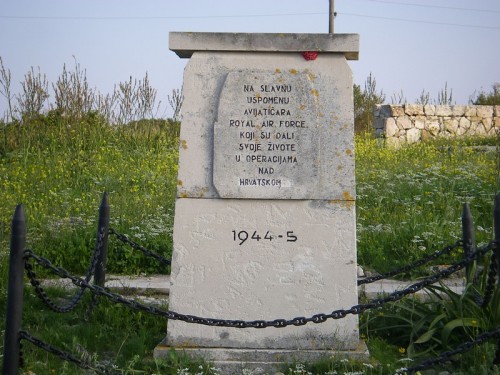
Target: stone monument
point(265, 224)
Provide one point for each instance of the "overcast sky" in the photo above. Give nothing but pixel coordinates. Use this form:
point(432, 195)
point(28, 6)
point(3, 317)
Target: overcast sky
point(408, 45)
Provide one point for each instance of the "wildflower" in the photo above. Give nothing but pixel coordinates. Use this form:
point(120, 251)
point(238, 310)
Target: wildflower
point(402, 350)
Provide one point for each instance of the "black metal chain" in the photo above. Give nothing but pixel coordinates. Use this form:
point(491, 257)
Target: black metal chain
point(445, 356)
point(73, 301)
point(123, 238)
point(278, 323)
point(99, 368)
point(411, 266)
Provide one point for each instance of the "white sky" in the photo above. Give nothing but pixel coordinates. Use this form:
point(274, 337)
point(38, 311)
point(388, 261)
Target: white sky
point(408, 45)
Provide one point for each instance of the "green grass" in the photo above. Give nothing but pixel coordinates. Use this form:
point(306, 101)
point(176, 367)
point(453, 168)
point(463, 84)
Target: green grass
point(409, 201)
point(409, 204)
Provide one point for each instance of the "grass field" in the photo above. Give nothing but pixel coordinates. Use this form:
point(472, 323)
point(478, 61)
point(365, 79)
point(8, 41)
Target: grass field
point(409, 204)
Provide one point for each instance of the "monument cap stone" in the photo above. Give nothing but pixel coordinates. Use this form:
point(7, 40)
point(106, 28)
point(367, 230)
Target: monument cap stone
point(184, 44)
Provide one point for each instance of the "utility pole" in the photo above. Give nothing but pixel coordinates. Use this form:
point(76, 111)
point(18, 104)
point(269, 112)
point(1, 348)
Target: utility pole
point(332, 16)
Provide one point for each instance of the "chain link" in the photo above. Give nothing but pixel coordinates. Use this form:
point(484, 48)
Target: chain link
point(73, 301)
point(99, 368)
point(412, 266)
point(445, 356)
point(299, 321)
point(123, 238)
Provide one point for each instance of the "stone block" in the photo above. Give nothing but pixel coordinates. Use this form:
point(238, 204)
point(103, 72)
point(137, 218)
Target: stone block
point(464, 123)
point(451, 125)
point(487, 123)
point(378, 122)
point(443, 110)
point(433, 127)
point(496, 122)
point(484, 111)
point(391, 129)
point(429, 109)
point(404, 122)
point(412, 135)
point(470, 111)
point(254, 259)
point(326, 111)
point(414, 109)
point(497, 111)
point(185, 44)
point(385, 110)
point(397, 110)
point(420, 122)
point(457, 110)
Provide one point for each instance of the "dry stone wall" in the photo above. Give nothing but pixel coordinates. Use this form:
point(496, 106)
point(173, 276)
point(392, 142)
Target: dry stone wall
point(410, 123)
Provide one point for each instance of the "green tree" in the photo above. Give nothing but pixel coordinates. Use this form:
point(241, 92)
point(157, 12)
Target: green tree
point(364, 103)
point(491, 98)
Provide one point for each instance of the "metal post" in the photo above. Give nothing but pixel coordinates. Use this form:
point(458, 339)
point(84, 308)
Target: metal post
point(468, 237)
point(496, 225)
point(102, 240)
point(13, 320)
point(332, 16)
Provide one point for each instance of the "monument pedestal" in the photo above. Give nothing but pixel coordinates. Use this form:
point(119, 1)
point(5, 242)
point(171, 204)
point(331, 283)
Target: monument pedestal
point(262, 361)
point(265, 224)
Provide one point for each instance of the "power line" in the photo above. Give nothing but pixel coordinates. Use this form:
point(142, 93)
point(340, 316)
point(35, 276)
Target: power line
point(119, 18)
point(420, 21)
point(141, 18)
point(435, 6)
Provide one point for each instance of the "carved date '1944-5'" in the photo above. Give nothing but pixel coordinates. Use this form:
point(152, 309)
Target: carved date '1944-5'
point(242, 236)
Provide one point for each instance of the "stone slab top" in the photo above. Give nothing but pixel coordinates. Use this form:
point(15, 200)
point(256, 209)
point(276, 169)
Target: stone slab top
point(184, 44)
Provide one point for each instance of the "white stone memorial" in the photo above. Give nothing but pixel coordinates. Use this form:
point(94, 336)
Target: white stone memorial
point(265, 224)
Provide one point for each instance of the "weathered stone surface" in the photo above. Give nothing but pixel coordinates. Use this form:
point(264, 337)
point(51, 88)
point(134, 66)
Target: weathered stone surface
point(330, 77)
point(404, 122)
point(443, 110)
point(412, 135)
point(396, 110)
point(378, 123)
point(439, 121)
point(451, 125)
point(488, 123)
point(484, 110)
point(263, 361)
point(391, 129)
point(432, 126)
point(464, 123)
point(457, 110)
point(253, 259)
point(470, 110)
point(271, 134)
point(420, 122)
point(429, 109)
point(187, 43)
point(497, 111)
point(414, 109)
point(480, 129)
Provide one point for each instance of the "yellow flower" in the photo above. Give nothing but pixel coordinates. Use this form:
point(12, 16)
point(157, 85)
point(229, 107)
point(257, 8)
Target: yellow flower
point(402, 350)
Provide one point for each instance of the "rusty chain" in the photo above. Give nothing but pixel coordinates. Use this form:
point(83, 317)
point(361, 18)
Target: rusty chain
point(411, 266)
point(278, 323)
point(73, 301)
point(123, 238)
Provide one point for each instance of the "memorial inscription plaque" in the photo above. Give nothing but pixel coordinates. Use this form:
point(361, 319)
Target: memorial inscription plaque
point(266, 135)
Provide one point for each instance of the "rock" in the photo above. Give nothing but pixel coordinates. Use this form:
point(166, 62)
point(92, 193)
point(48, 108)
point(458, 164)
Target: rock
point(429, 109)
point(404, 122)
point(414, 109)
point(413, 135)
point(396, 110)
point(484, 110)
point(391, 128)
point(443, 110)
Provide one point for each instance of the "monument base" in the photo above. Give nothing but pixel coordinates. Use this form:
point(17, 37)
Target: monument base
point(261, 361)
